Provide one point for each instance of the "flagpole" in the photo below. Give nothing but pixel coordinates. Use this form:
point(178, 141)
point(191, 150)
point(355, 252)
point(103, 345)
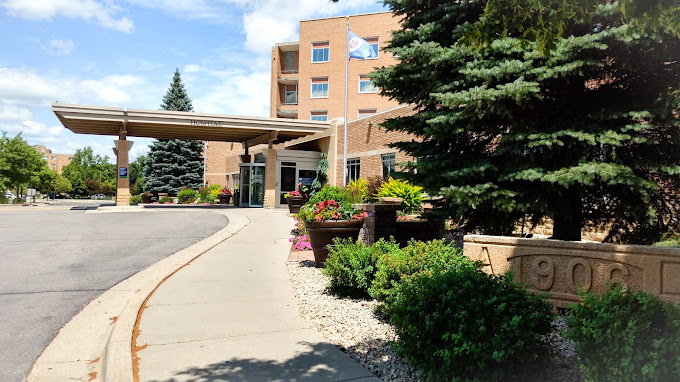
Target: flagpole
point(344, 142)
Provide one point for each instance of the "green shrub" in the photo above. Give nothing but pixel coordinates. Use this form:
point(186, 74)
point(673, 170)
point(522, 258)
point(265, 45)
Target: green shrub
point(215, 190)
point(205, 196)
point(186, 196)
point(415, 257)
point(332, 193)
point(351, 265)
point(398, 188)
point(465, 325)
point(626, 336)
point(165, 199)
point(137, 199)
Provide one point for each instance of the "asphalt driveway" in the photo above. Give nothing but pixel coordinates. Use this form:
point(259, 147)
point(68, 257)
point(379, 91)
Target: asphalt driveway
point(54, 261)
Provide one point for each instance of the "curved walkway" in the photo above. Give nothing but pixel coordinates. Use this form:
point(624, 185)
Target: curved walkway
point(231, 315)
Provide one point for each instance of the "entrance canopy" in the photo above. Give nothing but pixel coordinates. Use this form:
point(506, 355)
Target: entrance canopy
point(163, 124)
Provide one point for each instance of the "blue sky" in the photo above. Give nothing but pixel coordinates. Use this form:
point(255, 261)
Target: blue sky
point(124, 52)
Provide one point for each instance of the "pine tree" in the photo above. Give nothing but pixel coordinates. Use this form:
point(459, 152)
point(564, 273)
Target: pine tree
point(173, 164)
point(585, 135)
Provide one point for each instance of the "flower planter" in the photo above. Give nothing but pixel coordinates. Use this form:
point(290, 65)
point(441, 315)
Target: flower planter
point(146, 199)
point(295, 202)
point(225, 199)
point(322, 233)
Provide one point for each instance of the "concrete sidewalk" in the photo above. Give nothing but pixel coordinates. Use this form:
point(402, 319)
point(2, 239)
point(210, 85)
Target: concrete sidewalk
point(231, 315)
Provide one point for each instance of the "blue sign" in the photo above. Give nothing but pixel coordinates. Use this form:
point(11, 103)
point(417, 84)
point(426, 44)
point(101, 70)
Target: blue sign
point(122, 172)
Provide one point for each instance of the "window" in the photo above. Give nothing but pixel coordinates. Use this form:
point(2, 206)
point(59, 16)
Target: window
point(320, 51)
point(291, 95)
point(353, 169)
point(319, 115)
point(288, 59)
point(388, 165)
point(365, 85)
point(45, 157)
point(366, 112)
point(375, 43)
point(54, 158)
point(320, 87)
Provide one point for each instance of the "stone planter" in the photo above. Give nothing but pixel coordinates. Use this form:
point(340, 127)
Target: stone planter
point(321, 234)
point(561, 268)
point(146, 199)
point(421, 230)
point(295, 202)
point(224, 199)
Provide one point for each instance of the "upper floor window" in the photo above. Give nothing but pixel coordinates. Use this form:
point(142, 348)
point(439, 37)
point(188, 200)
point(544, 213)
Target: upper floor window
point(366, 112)
point(365, 85)
point(319, 115)
point(375, 43)
point(320, 87)
point(320, 51)
point(291, 95)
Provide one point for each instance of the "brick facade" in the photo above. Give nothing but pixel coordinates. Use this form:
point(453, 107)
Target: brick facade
point(368, 141)
point(331, 30)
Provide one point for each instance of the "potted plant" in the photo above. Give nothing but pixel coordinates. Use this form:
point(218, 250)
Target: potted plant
point(225, 196)
point(327, 215)
point(146, 197)
point(297, 199)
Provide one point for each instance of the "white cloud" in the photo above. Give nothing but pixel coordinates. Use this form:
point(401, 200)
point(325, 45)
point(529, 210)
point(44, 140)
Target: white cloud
point(59, 47)
point(230, 91)
point(267, 22)
point(90, 10)
point(19, 86)
point(14, 113)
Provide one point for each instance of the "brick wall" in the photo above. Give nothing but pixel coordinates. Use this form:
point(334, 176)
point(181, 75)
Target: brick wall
point(368, 140)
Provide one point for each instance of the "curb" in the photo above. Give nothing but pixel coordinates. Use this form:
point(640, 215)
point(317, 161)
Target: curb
point(97, 342)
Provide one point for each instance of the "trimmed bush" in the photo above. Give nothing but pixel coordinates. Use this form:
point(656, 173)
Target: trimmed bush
point(626, 336)
point(137, 199)
point(165, 199)
point(186, 196)
point(417, 256)
point(351, 265)
point(465, 325)
point(215, 190)
point(398, 188)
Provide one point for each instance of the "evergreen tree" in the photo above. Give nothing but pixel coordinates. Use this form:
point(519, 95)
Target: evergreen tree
point(174, 163)
point(586, 134)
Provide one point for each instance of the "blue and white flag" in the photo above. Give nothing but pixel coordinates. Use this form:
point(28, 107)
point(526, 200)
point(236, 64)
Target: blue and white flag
point(359, 48)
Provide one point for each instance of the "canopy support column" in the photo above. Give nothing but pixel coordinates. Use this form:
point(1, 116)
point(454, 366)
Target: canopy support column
point(122, 150)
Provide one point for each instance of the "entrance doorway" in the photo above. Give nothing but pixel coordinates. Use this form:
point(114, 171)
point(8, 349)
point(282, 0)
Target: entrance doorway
point(251, 184)
point(294, 167)
point(292, 176)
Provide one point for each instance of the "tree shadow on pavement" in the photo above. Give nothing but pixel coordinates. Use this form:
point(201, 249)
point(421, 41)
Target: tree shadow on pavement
point(310, 365)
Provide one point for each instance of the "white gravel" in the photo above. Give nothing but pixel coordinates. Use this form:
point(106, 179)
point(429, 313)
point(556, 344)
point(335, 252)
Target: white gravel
point(353, 327)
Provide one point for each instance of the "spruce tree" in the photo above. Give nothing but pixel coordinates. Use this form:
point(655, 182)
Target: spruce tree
point(585, 135)
point(173, 164)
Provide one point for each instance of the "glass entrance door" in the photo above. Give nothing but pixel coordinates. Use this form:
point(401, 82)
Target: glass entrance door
point(252, 184)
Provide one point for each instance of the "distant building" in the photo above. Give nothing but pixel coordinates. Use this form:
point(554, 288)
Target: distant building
point(55, 162)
